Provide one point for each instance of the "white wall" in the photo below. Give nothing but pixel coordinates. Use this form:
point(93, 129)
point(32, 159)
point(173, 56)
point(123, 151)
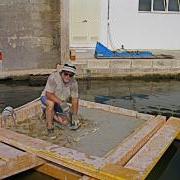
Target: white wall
point(139, 30)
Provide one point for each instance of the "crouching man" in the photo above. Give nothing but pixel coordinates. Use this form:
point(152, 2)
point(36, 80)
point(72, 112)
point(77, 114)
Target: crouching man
point(60, 88)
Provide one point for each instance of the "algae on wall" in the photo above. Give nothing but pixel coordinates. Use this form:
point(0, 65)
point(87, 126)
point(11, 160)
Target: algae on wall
point(30, 33)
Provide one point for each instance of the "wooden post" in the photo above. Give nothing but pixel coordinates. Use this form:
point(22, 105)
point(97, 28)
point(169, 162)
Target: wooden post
point(13, 161)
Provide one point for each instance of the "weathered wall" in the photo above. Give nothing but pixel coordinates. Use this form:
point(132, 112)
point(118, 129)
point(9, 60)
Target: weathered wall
point(30, 33)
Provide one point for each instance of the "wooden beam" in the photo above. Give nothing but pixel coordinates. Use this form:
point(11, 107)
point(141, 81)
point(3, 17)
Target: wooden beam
point(117, 110)
point(174, 118)
point(178, 137)
point(72, 159)
point(58, 172)
point(135, 141)
point(149, 155)
point(13, 161)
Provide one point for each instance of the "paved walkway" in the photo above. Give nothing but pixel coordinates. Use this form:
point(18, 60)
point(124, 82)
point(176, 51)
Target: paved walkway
point(88, 66)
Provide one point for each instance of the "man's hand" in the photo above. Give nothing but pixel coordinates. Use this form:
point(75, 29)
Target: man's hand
point(65, 107)
point(75, 120)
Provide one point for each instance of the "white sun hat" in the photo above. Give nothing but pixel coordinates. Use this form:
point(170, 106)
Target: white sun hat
point(68, 66)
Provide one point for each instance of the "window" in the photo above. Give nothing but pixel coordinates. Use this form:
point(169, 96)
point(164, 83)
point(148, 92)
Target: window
point(173, 5)
point(144, 5)
point(159, 5)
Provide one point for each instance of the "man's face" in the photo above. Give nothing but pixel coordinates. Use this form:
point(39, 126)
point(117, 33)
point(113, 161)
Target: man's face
point(67, 76)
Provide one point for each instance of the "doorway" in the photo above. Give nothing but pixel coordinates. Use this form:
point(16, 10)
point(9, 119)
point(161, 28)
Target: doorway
point(84, 22)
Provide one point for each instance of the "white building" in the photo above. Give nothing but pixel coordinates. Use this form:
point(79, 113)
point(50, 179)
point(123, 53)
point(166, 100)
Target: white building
point(136, 24)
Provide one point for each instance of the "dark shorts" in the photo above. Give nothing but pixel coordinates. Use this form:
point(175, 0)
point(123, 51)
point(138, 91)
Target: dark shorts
point(57, 107)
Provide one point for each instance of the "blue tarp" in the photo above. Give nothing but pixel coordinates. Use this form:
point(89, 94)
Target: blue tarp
point(102, 52)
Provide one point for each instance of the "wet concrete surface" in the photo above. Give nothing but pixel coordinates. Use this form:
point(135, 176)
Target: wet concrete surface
point(99, 133)
point(110, 130)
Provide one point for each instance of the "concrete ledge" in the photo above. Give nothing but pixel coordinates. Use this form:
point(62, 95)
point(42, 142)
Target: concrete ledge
point(98, 68)
point(142, 64)
point(120, 64)
point(98, 64)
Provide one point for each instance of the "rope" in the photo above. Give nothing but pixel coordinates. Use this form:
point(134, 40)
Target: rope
point(109, 34)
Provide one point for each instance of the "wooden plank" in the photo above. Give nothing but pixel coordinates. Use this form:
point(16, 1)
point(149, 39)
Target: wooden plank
point(113, 109)
point(150, 154)
point(135, 141)
point(58, 172)
point(28, 110)
point(178, 137)
point(7, 152)
point(30, 144)
point(87, 178)
point(125, 173)
point(14, 161)
point(77, 161)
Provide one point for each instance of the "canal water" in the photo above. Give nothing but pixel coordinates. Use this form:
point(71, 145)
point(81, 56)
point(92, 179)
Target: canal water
point(147, 97)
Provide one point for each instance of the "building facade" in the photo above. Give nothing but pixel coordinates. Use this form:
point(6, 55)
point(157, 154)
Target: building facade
point(137, 24)
point(36, 33)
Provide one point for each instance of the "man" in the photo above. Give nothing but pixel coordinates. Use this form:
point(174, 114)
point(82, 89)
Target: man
point(61, 87)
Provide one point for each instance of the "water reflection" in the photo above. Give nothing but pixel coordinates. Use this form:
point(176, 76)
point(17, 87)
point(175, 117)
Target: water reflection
point(17, 93)
point(146, 97)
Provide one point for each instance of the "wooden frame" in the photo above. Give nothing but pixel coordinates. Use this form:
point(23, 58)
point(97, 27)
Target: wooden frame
point(117, 164)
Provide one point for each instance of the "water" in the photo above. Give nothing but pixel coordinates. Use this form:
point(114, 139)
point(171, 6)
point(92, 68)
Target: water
point(30, 175)
point(168, 167)
point(17, 94)
point(147, 97)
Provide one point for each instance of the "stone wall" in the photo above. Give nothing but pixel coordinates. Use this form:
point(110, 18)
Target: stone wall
point(30, 33)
